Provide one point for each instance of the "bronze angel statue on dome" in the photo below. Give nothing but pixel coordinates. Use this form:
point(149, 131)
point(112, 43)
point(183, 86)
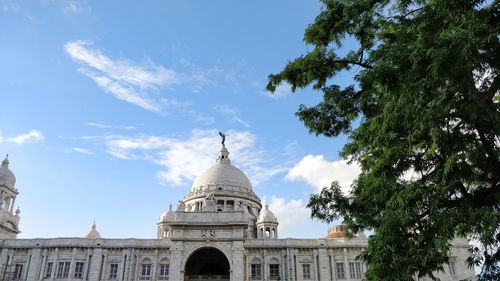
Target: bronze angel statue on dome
point(223, 136)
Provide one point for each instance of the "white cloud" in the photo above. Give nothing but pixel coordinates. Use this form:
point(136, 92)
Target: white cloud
point(290, 214)
point(82, 150)
point(126, 80)
point(185, 158)
point(283, 90)
point(32, 136)
point(319, 172)
point(108, 126)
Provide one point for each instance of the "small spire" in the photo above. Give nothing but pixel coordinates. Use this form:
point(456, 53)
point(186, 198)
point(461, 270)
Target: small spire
point(18, 211)
point(5, 162)
point(170, 207)
point(267, 207)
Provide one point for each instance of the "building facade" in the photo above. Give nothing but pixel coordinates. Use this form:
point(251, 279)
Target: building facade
point(218, 231)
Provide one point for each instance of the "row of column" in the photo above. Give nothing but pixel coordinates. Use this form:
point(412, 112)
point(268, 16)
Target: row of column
point(322, 265)
point(95, 264)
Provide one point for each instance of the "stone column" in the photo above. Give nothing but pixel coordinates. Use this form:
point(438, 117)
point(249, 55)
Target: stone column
point(176, 270)
point(283, 267)
point(332, 264)
point(314, 267)
point(43, 264)
point(72, 265)
point(265, 266)
point(237, 261)
point(104, 266)
point(95, 266)
point(12, 205)
point(54, 264)
point(129, 265)
point(323, 264)
point(86, 265)
point(289, 256)
point(346, 266)
point(155, 265)
point(35, 264)
point(123, 264)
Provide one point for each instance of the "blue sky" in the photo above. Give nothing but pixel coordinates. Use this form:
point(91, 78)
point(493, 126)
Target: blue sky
point(109, 110)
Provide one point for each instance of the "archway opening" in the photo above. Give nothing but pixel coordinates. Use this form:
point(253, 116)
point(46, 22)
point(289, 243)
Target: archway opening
point(207, 264)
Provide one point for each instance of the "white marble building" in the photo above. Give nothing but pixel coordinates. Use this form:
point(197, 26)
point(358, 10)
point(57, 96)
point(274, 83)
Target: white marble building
point(218, 231)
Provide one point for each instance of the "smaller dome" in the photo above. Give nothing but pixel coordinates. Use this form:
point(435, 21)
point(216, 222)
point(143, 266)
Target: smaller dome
point(267, 216)
point(337, 231)
point(340, 231)
point(7, 177)
point(93, 233)
point(168, 214)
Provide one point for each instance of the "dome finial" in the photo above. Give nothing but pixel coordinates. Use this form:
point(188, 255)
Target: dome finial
point(5, 162)
point(223, 155)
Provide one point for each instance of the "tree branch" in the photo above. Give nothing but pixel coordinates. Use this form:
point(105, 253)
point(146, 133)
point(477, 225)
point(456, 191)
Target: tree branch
point(346, 62)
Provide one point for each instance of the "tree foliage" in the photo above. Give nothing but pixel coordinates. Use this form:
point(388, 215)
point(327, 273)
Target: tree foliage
point(425, 92)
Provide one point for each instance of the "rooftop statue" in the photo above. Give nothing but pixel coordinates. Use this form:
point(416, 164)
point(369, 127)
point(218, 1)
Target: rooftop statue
point(223, 136)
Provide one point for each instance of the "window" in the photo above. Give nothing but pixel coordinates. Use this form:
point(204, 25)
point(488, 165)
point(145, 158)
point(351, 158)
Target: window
point(256, 272)
point(113, 271)
point(18, 271)
point(274, 271)
point(451, 267)
point(164, 270)
point(146, 272)
point(62, 270)
point(48, 270)
point(306, 271)
point(78, 270)
point(355, 270)
point(339, 270)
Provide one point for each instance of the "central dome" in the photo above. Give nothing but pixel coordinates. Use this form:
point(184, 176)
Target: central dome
point(221, 175)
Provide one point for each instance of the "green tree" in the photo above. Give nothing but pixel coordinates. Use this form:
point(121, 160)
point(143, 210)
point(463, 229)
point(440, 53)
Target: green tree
point(425, 93)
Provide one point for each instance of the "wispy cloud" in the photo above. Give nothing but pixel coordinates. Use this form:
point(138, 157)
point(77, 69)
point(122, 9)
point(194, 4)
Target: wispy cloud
point(9, 6)
point(81, 150)
point(108, 126)
point(282, 91)
point(75, 6)
point(183, 158)
point(32, 136)
point(318, 172)
point(232, 113)
point(128, 81)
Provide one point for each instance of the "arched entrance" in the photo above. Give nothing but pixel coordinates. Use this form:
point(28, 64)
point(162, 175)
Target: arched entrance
point(207, 264)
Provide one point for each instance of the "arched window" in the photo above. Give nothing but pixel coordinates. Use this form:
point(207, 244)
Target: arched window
point(268, 232)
